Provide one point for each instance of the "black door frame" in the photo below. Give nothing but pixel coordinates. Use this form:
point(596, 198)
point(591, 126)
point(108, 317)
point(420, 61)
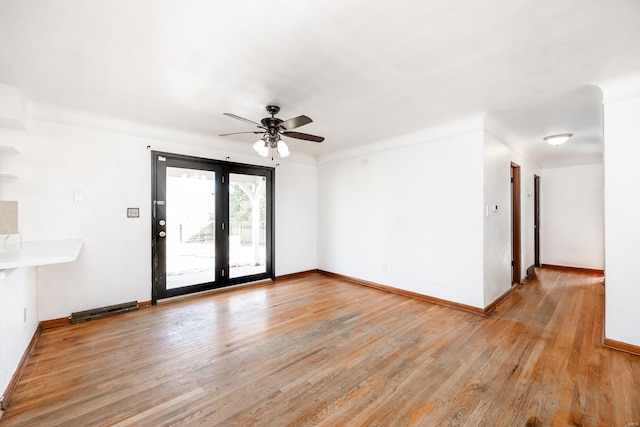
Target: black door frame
point(222, 170)
point(536, 220)
point(515, 224)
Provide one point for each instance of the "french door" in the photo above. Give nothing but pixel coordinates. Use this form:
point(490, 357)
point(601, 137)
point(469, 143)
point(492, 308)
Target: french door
point(212, 224)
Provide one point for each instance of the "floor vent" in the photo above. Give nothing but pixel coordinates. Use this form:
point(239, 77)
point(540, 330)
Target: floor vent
point(99, 313)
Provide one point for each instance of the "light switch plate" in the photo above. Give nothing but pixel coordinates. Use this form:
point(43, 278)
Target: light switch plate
point(133, 212)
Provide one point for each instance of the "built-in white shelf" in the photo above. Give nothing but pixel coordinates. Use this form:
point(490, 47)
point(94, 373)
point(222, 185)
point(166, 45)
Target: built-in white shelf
point(4, 150)
point(7, 176)
point(29, 254)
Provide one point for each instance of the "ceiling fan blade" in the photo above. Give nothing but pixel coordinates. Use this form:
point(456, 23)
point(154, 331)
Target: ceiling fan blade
point(242, 119)
point(296, 122)
point(305, 136)
point(239, 133)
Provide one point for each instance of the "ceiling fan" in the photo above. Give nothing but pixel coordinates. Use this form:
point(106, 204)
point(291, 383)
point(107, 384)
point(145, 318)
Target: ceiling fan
point(272, 130)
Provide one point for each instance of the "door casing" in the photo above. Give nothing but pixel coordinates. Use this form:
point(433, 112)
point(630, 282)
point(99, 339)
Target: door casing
point(536, 219)
point(515, 224)
point(222, 170)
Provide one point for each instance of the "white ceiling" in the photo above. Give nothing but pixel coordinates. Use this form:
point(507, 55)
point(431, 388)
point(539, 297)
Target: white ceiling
point(578, 112)
point(363, 70)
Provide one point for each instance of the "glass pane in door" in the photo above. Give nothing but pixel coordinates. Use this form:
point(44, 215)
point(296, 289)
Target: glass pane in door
point(190, 216)
point(247, 221)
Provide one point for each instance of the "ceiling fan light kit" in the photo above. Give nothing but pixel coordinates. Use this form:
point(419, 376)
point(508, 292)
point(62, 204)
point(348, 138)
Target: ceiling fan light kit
point(283, 149)
point(558, 139)
point(272, 130)
point(263, 147)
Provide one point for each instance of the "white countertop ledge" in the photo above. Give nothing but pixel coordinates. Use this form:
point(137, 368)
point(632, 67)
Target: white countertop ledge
point(44, 252)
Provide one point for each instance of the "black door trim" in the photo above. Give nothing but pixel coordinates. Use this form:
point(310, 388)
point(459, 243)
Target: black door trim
point(536, 220)
point(223, 169)
point(515, 224)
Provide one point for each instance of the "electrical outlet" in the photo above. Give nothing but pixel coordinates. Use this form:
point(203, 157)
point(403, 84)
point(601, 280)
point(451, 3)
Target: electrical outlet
point(24, 315)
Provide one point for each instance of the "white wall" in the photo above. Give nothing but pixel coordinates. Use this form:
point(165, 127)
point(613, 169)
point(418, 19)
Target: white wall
point(13, 107)
point(296, 222)
point(18, 291)
point(527, 210)
point(410, 218)
point(572, 216)
point(497, 224)
point(112, 172)
point(622, 227)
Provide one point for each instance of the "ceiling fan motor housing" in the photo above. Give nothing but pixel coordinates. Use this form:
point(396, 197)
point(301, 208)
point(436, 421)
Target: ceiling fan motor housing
point(271, 123)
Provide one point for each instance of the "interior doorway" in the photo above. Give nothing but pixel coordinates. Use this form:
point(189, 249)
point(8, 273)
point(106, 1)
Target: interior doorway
point(515, 224)
point(536, 220)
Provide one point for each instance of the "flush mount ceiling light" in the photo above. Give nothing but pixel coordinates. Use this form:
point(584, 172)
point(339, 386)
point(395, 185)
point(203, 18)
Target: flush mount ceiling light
point(272, 129)
point(558, 139)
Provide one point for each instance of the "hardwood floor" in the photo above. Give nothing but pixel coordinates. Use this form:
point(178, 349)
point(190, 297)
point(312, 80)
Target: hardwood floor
point(318, 351)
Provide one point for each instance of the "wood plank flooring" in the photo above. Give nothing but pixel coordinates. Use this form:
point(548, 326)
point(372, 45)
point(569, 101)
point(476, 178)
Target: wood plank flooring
point(315, 350)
